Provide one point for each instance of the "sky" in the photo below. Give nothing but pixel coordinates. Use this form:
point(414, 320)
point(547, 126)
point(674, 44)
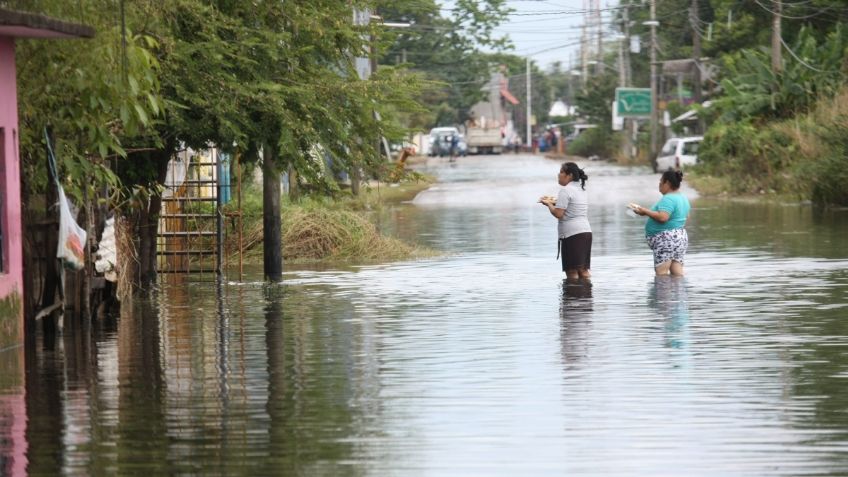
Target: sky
point(547, 30)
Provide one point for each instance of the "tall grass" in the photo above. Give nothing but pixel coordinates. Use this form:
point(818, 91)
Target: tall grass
point(334, 230)
point(805, 157)
point(320, 234)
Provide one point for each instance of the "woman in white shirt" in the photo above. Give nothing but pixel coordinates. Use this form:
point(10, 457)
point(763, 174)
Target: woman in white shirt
point(571, 210)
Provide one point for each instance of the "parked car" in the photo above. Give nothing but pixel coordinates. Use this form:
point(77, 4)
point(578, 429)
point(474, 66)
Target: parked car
point(679, 152)
point(440, 142)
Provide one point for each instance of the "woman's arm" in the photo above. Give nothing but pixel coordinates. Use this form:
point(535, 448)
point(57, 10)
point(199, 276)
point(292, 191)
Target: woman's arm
point(550, 203)
point(658, 215)
point(558, 213)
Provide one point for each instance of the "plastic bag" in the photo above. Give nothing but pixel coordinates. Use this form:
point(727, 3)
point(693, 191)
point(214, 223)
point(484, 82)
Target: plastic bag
point(71, 236)
point(107, 253)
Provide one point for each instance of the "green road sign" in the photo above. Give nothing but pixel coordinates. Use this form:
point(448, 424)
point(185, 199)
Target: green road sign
point(633, 102)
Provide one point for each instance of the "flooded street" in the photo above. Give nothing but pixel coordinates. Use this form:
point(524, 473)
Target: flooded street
point(480, 362)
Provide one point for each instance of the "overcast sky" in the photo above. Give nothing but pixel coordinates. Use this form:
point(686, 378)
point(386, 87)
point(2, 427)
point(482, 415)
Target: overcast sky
point(547, 30)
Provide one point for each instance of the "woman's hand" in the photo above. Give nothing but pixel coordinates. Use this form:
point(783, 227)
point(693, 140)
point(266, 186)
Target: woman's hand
point(637, 209)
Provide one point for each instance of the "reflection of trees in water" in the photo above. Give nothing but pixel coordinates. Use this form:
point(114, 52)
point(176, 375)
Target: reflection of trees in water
point(575, 312)
point(817, 368)
point(668, 297)
point(785, 231)
point(317, 356)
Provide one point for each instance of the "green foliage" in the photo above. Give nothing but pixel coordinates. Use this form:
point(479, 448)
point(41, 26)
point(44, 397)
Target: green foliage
point(804, 157)
point(595, 102)
point(96, 94)
point(753, 89)
point(597, 141)
point(751, 156)
point(541, 90)
point(446, 50)
point(829, 170)
point(277, 76)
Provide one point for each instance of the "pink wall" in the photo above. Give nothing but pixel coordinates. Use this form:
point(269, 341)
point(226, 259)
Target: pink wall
point(11, 278)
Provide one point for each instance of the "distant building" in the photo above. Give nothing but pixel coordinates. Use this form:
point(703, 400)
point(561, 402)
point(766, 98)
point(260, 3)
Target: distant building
point(493, 115)
point(15, 24)
point(496, 109)
point(560, 109)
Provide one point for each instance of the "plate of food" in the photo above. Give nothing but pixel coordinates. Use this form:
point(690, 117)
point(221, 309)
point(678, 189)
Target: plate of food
point(632, 208)
point(548, 199)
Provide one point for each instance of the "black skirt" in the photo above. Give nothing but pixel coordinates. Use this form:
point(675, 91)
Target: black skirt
point(576, 252)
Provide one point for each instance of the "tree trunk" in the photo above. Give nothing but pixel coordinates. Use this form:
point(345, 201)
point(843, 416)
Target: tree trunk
point(148, 224)
point(272, 232)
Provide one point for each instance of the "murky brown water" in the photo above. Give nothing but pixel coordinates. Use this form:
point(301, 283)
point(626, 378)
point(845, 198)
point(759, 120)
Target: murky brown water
point(480, 362)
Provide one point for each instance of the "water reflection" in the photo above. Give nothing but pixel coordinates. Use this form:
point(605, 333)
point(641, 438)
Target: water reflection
point(575, 313)
point(668, 297)
point(13, 443)
point(481, 362)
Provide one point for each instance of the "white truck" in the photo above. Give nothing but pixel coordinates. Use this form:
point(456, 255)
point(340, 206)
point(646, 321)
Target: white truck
point(489, 126)
point(483, 140)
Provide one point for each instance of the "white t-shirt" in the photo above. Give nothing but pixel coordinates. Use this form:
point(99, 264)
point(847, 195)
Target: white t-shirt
point(574, 200)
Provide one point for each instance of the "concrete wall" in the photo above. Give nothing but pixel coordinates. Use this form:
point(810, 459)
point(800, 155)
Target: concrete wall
point(11, 276)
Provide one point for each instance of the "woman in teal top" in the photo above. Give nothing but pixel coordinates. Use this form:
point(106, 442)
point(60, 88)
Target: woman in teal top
point(665, 226)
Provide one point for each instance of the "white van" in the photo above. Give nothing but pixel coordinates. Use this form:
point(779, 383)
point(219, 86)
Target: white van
point(679, 152)
point(438, 137)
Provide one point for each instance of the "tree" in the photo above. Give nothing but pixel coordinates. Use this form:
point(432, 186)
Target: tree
point(447, 50)
point(275, 77)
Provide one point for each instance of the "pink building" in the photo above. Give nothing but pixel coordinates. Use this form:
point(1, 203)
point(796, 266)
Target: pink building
point(15, 24)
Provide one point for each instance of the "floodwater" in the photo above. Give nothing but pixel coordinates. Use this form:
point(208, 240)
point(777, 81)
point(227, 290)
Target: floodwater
point(481, 362)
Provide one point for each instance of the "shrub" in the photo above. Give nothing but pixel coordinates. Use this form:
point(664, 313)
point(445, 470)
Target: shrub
point(592, 142)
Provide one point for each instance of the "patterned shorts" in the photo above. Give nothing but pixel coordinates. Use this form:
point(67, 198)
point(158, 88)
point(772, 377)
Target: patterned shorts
point(669, 245)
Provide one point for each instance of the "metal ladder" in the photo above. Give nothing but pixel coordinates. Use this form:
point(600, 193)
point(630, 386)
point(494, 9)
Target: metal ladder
point(191, 228)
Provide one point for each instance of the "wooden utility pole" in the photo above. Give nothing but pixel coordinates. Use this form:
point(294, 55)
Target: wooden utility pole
point(776, 51)
point(653, 58)
point(694, 20)
point(599, 67)
point(584, 45)
point(628, 74)
point(624, 59)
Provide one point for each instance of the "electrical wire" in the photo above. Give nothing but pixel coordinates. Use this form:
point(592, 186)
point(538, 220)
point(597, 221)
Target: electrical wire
point(802, 61)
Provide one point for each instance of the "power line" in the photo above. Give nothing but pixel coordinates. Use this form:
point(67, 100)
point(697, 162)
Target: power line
point(802, 61)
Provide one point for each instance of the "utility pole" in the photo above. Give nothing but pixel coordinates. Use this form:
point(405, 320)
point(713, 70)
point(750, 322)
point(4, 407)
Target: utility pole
point(624, 79)
point(529, 139)
point(622, 73)
point(584, 45)
point(599, 68)
point(776, 59)
point(628, 74)
point(694, 20)
point(654, 113)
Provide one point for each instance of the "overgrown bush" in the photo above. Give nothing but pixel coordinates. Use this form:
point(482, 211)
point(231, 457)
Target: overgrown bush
point(752, 89)
point(597, 141)
point(805, 157)
point(752, 158)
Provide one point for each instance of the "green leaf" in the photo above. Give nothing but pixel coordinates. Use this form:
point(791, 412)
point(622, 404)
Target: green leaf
point(154, 105)
point(142, 115)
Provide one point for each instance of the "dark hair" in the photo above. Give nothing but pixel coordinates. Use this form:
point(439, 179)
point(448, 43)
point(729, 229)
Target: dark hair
point(673, 177)
point(575, 172)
